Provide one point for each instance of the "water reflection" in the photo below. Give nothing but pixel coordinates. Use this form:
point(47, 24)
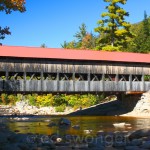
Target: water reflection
point(88, 125)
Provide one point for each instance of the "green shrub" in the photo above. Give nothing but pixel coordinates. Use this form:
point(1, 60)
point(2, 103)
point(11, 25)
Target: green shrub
point(147, 77)
point(60, 108)
point(32, 99)
point(60, 100)
point(4, 99)
point(73, 100)
point(45, 100)
point(111, 48)
point(12, 99)
point(19, 97)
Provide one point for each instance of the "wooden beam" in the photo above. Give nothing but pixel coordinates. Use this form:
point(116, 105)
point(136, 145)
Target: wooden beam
point(73, 77)
point(134, 92)
point(130, 81)
point(57, 78)
point(24, 82)
point(42, 75)
point(89, 79)
point(32, 76)
point(7, 75)
point(143, 82)
point(103, 82)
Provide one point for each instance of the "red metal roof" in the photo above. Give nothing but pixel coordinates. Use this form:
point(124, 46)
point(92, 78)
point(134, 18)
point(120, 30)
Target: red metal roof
point(58, 53)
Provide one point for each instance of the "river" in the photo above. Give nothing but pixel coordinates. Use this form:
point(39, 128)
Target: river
point(88, 124)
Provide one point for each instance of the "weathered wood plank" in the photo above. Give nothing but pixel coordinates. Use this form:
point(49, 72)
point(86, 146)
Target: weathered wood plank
point(66, 86)
point(71, 86)
point(81, 86)
point(50, 85)
point(64, 66)
point(1, 85)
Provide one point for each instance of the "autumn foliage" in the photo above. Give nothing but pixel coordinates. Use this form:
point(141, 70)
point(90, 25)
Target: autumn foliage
point(12, 5)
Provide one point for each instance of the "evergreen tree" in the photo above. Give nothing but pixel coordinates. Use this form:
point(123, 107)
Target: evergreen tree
point(146, 32)
point(141, 41)
point(113, 29)
point(84, 40)
point(43, 45)
point(146, 25)
point(81, 33)
point(69, 45)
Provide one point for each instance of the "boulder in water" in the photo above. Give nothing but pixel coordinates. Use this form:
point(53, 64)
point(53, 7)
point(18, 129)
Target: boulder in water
point(64, 122)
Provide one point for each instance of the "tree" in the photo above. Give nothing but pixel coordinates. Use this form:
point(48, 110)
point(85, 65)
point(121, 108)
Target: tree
point(8, 6)
point(146, 25)
point(141, 41)
point(88, 42)
point(43, 45)
point(81, 33)
point(84, 40)
point(3, 32)
point(69, 45)
point(145, 47)
point(113, 29)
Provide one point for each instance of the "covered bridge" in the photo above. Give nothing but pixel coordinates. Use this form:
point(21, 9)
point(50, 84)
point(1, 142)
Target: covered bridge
point(28, 69)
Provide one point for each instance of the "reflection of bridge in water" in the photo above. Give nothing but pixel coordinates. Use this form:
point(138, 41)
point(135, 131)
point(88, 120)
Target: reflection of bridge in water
point(24, 69)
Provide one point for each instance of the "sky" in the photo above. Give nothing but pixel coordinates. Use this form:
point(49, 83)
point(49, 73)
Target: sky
point(54, 21)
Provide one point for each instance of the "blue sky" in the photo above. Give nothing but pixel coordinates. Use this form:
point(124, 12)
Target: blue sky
point(54, 21)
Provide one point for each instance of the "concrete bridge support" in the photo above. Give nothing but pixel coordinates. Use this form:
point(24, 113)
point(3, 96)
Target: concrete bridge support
point(128, 101)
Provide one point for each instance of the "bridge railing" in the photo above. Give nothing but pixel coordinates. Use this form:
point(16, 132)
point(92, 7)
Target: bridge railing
point(72, 86)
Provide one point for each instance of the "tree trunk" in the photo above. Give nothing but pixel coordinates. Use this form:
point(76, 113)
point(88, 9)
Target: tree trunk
point(112, 34)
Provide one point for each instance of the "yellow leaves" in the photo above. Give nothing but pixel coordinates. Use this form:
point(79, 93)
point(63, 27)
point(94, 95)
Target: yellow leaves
point(121, 11)
point(105, 29)
point(119, 1)
point(127, 25)
point(110, 48)
point(100, 22)
point(113, 16)
point(110, 24)
point(121, 32)
point(111, 8)
point(85, 101)
point(44, 100)
point(104, 14)
point(116, 1)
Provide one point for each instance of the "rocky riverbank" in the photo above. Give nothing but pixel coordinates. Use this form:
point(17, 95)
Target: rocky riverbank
point(110, 108)
point(23, 108)
point(117, 140)
point(142, 108)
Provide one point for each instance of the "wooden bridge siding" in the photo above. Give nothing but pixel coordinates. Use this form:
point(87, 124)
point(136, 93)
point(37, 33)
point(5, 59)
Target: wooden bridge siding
point(147, 85)
point(63, 66)
point(66, 86)
point(50, 86)
point(99, 69)
point(81, 86)
point(73, 67)
point(72, 86)
point(16, 85)
point(1, 85)
point(33, 85)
